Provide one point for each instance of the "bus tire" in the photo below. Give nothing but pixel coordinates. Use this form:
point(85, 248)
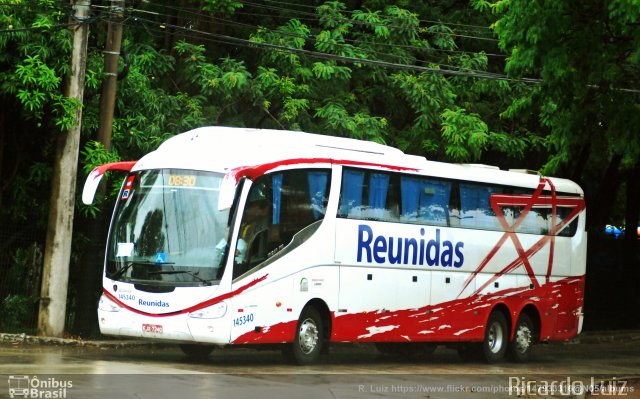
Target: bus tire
point(496, 338)
point(523, 340)
point(197, 352)
point(308, 341)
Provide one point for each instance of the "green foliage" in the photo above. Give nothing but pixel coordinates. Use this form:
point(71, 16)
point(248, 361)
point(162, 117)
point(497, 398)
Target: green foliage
point(361, 125)
point(466, 135)
point(18, 310)
point(37, 86)
point(94, 154)
point(222, 6)
point(586, 64)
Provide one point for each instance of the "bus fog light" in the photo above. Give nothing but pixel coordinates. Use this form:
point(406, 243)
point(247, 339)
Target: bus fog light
point(212, 312)
point(108, 305)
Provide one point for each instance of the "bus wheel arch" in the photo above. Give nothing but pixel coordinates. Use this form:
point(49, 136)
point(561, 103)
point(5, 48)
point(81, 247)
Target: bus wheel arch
point(311, 336)
point(327, 321)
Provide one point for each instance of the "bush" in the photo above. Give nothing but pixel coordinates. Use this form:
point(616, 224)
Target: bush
point(18, 313)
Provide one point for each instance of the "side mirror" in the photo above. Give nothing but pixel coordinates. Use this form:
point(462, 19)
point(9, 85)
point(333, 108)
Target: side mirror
point(93, 180)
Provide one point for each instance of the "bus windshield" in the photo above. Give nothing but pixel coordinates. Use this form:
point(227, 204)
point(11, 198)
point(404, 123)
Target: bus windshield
point(168, 230)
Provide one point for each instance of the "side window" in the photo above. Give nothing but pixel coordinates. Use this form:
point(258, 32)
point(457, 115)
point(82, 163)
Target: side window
point(396, 197)
point(476, 211)
point(475, 207)
point(369, 195)
point(278, 206)
point(536, 221)
point(425, 201)
point(392, 197)
point(561, 214)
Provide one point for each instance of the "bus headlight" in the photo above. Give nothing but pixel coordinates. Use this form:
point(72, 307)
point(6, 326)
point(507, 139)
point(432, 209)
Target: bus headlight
point(212, 312)
point(107, 305)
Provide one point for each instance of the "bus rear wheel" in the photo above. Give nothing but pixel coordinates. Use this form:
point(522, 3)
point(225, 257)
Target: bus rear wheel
point(308, 341)
point(496, 338)
point(523, 340)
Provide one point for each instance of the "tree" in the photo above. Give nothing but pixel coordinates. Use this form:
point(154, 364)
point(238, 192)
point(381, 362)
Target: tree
point(587, 56)
point(426, 77)
point(34, 54)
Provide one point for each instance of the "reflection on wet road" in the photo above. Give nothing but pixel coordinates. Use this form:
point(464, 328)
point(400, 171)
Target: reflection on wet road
point(352, 371)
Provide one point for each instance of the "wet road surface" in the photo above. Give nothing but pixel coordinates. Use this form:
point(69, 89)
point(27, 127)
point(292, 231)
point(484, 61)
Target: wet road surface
point(349, 371)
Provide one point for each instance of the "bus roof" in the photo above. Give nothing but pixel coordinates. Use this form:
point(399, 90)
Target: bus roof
point(228, 149)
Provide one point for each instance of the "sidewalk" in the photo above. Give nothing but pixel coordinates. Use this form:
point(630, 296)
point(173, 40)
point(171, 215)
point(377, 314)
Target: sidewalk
point(23, 339)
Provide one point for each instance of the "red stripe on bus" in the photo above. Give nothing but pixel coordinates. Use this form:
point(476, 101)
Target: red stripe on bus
point(256, 171)
point(190, 309)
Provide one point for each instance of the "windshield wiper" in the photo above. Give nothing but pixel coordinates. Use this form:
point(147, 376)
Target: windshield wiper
point(126, 267)
point(192, 274)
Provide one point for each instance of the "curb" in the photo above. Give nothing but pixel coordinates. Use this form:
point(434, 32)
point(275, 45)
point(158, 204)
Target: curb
point(24, 339)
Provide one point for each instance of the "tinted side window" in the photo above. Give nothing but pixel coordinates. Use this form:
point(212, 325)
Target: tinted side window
point(537, 219)
point(475, 207)
point(563, 213)
point(425, 201)
point(369, 195)
point(476, 211)
point(391, 197)
point(394, 197)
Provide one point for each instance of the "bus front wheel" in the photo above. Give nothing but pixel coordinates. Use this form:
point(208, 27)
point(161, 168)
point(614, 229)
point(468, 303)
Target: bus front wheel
point(308, 341)
point(496, 338)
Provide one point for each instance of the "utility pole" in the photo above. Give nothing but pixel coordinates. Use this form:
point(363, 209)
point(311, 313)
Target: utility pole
point(93, 256)
point(55, 276)
point(111, 56)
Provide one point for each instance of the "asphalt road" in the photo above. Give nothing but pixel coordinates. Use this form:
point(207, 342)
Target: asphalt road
point(107, 370)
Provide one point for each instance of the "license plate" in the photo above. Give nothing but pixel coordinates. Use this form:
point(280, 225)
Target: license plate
point(152, 328)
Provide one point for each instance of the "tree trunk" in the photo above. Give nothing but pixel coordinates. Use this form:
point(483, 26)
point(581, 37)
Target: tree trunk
point(57, 255)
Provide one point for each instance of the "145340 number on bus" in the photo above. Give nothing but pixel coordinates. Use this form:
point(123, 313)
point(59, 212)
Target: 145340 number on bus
point(242, 320)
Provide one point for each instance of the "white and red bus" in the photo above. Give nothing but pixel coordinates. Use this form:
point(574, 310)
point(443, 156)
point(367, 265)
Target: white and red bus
point(246, 237)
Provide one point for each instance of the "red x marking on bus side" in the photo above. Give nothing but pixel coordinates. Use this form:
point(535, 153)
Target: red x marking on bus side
point(499, 201)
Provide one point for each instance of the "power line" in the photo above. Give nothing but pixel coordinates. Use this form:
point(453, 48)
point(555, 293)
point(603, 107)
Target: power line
point(275, 8)
point(346, 46)
point(346, 59)
point(308, 16)
point(342, 45)
point(479, 27)
point(36, 28)
point(63, 7)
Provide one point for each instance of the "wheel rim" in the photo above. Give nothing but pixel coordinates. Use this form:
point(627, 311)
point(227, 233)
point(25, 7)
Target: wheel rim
point(308, 336)
point(495, 338)
point(522, 339)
